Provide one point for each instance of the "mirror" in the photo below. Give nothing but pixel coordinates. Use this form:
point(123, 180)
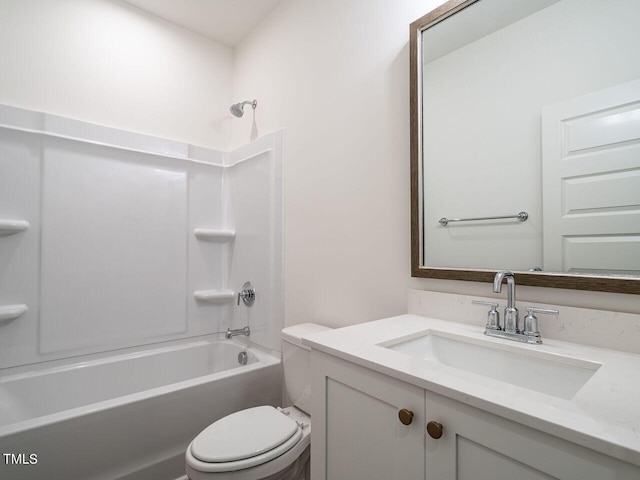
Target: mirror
point(525, 142)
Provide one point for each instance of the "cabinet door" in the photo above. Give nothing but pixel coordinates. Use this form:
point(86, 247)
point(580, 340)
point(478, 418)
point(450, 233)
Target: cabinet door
point(477, 445)
point(356, 432)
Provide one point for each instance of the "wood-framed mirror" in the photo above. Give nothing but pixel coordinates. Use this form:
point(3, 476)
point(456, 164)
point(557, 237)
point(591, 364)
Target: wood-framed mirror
point(527, 106)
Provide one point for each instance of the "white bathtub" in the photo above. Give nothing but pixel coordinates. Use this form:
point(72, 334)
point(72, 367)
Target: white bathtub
point(129, 416)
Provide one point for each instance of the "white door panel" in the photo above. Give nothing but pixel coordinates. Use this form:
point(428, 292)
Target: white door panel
point(591, 182)
point(604, 128)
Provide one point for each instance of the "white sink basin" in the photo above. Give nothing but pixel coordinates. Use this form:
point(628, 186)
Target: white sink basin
point(552, 374)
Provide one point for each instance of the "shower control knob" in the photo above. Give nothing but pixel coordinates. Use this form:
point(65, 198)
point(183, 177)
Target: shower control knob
point(405, 416)
point(248, 294)
point(435, 429)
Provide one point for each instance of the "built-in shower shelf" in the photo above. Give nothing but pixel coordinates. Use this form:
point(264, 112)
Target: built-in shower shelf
point(213, 295)
point(9, 227)
point(9, 312)
point(214, 235)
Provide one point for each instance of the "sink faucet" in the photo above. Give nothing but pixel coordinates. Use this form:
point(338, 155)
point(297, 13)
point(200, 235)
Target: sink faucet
point(511, 318)
point(511, 330)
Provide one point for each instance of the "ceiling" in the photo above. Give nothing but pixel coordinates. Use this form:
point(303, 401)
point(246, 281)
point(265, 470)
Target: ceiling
point(224, 21)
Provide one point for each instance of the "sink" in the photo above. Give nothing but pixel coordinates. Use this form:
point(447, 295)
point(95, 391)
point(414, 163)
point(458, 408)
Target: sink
point(558, 375)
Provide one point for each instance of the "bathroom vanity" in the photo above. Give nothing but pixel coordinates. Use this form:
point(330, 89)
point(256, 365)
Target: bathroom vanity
point(413, 397)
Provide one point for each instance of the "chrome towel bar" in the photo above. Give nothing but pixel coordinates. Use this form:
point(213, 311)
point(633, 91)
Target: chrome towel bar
point(522, 217)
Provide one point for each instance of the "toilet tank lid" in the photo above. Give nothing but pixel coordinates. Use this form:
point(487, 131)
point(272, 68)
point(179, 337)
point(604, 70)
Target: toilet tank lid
point(294, 333)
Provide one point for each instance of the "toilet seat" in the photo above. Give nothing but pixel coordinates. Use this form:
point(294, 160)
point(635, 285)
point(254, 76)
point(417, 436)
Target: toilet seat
point(244, 439)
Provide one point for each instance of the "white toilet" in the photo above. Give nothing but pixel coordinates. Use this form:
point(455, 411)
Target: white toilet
point(263, 443)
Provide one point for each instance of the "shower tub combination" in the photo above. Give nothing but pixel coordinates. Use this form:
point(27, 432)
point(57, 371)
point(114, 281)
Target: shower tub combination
point(124, 267)
point(128, 416)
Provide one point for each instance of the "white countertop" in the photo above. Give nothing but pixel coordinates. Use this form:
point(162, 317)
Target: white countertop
point(604, 415)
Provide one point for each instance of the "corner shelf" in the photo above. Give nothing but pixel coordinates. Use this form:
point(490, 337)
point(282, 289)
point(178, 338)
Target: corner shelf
point(214, 235)
point(213, 295)
point(9, 227)
point(9, 312)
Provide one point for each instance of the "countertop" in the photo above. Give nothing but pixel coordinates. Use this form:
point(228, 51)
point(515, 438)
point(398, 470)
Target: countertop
point(604, 415)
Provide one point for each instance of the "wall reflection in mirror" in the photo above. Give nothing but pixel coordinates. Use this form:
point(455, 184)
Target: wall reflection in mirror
point(531, 106)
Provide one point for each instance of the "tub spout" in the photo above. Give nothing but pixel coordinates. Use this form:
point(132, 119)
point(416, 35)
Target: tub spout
point(246, 331)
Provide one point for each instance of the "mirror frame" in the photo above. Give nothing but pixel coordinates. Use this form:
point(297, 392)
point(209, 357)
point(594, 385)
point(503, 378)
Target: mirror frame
point(602, 283)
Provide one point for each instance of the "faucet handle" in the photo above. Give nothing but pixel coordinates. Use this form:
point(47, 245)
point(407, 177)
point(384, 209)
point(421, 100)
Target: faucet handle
point(248, 294)
point(493, 317)
point(531, 322)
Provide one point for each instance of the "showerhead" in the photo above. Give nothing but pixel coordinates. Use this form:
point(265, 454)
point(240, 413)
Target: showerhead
point(237, 109)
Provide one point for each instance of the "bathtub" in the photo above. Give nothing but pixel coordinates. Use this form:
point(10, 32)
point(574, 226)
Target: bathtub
point(127, 416)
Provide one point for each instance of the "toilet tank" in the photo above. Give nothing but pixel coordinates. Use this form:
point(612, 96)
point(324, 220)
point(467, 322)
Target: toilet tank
point(296, 359)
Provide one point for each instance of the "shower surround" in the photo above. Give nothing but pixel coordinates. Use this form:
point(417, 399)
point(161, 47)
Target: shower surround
point(112, 242)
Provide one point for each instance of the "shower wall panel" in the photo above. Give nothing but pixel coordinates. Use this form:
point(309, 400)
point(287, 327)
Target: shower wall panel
point(208, 259)
point(255, 191)
point(110, 259)
point(20, 252)
point(114, 246)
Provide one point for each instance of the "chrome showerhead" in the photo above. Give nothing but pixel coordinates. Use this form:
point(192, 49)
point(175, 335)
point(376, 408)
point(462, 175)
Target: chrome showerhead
point(237, 109)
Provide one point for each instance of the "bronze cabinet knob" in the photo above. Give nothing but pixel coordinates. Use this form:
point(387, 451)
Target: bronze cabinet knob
point(434, 429)
point(405, 416)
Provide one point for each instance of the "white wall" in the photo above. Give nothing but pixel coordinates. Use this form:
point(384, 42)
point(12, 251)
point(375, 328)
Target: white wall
point(106, 62)
point(336, 75)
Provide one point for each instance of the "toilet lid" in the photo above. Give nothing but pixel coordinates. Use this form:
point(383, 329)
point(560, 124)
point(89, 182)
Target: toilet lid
point(244, 434)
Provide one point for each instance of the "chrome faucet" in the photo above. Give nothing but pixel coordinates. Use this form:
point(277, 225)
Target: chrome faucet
point(511, 317)
point(511, 330)
point(246, 331)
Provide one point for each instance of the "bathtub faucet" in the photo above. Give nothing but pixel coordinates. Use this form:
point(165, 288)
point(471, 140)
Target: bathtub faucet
point(246, 331)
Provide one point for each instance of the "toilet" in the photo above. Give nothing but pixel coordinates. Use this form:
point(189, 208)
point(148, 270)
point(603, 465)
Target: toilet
point(263, 443)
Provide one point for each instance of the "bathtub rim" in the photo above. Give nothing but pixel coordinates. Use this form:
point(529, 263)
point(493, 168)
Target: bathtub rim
point(264, 359)
point(34, 367)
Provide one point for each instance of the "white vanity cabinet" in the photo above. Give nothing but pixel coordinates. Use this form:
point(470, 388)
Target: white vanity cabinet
point(357, 435)
point(356, 432)
point(476, 445)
